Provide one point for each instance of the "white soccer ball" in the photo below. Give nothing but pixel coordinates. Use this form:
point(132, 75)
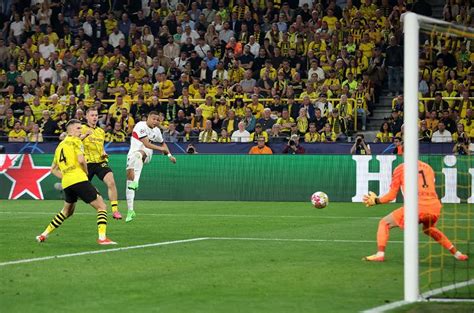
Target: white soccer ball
point(319, 200)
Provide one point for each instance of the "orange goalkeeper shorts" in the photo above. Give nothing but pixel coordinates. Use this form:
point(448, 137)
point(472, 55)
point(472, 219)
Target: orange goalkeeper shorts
point(426, 219)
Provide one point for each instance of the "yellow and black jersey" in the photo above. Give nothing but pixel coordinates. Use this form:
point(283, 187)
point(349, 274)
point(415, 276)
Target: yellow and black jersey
point(93, 144)
point(65, 157)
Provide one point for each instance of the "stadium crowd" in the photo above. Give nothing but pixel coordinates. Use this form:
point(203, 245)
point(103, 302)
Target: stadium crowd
point(227, 71)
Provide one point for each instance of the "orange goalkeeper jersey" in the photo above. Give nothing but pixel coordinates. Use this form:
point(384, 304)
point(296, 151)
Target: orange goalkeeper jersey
point(428, 201)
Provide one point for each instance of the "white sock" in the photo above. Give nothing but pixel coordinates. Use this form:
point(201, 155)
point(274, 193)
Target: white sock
point(130, 195)
point(380, 253)
point(457, 254)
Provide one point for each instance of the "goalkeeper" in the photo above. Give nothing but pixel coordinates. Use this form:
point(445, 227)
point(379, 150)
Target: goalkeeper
point(429, 211)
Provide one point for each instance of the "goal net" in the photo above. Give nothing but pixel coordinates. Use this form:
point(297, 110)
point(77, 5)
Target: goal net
point(439, 97)
point(441, 275)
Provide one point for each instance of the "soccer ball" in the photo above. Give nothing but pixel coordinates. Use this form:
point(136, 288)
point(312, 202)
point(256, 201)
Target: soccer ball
point(319, 200)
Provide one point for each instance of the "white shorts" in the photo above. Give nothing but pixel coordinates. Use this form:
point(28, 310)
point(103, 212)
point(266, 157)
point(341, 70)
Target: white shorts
point(148, 153)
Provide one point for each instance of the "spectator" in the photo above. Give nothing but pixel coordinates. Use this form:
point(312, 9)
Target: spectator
point(312, 135)
point(398, 142)
point(293, 146)
point(424, 134)
point(208, 134)
point(327, 135)
point(285, 121)
point(449, 123)
point(395, 122)
point(338, 125)
point(442, 135)
point(224, 136)
point(18, 107)
point(241, 135)
point(116, 134)
point(47, 126)
point(394, 63)
point(171, 134)
point(8, 122)
point(198, 121)
point(461, 146)
point(189, 134)
point(259, 132)
point(17, 134)
point(249, 120)
point(256, 107)
point(266, 120)
point(275, 136)
point(35, 135)
point(46, 48)
point(438, 104)
point(260, 148)
point(459, 133)
point(385, 134)
point(360, 147)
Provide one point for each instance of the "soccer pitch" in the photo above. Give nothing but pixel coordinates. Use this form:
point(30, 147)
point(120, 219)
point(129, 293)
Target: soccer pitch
point(202, 257)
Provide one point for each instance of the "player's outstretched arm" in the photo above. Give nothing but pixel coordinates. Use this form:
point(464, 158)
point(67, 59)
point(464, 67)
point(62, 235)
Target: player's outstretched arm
point(372, 199)
point(170, 156)
point(147, 143)
point(163, 148)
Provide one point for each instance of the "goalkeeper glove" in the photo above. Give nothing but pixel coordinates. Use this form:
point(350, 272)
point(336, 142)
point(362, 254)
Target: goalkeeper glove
point(370, 199)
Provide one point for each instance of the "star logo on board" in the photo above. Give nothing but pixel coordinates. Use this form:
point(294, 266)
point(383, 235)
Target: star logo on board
point(26, 177)
point(6, 161)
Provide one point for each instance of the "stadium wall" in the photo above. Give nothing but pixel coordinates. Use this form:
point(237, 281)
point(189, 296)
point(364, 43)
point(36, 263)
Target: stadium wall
point(243, 177)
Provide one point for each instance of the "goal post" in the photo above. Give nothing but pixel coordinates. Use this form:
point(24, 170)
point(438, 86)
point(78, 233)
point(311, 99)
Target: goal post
point(410, 89)
point(413, 25)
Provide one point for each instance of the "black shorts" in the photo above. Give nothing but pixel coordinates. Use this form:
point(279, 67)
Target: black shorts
point(98, 169)
point(83, 190)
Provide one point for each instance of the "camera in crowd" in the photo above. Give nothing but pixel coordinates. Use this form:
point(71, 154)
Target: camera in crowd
point(191, 149)
point(359, 139)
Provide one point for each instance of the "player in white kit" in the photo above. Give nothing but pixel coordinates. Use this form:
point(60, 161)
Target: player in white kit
point(141, 151)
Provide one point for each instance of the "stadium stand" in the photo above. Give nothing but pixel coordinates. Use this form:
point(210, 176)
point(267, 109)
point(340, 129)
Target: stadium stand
point(206, 66)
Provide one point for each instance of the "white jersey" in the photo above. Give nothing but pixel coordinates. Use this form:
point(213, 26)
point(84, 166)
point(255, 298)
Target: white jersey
point(140, 131)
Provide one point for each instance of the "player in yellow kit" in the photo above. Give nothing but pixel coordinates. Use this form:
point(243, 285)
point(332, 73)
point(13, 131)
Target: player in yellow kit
point(93, 138)
point(70, 166)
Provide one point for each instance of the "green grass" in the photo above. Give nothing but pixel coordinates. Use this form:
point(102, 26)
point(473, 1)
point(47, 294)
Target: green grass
point(201, 276)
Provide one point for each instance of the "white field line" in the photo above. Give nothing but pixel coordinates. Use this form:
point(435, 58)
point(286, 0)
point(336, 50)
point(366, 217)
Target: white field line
point(69, 255)
point(231, 215)
point(298, 240)
point(424, 297)
point(177, 242)
point(448, 300)
point(183, 241)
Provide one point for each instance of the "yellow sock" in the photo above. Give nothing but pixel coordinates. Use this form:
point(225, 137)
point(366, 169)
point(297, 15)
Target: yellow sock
point(102, 224)
point(55, 223)
point(114, 205)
